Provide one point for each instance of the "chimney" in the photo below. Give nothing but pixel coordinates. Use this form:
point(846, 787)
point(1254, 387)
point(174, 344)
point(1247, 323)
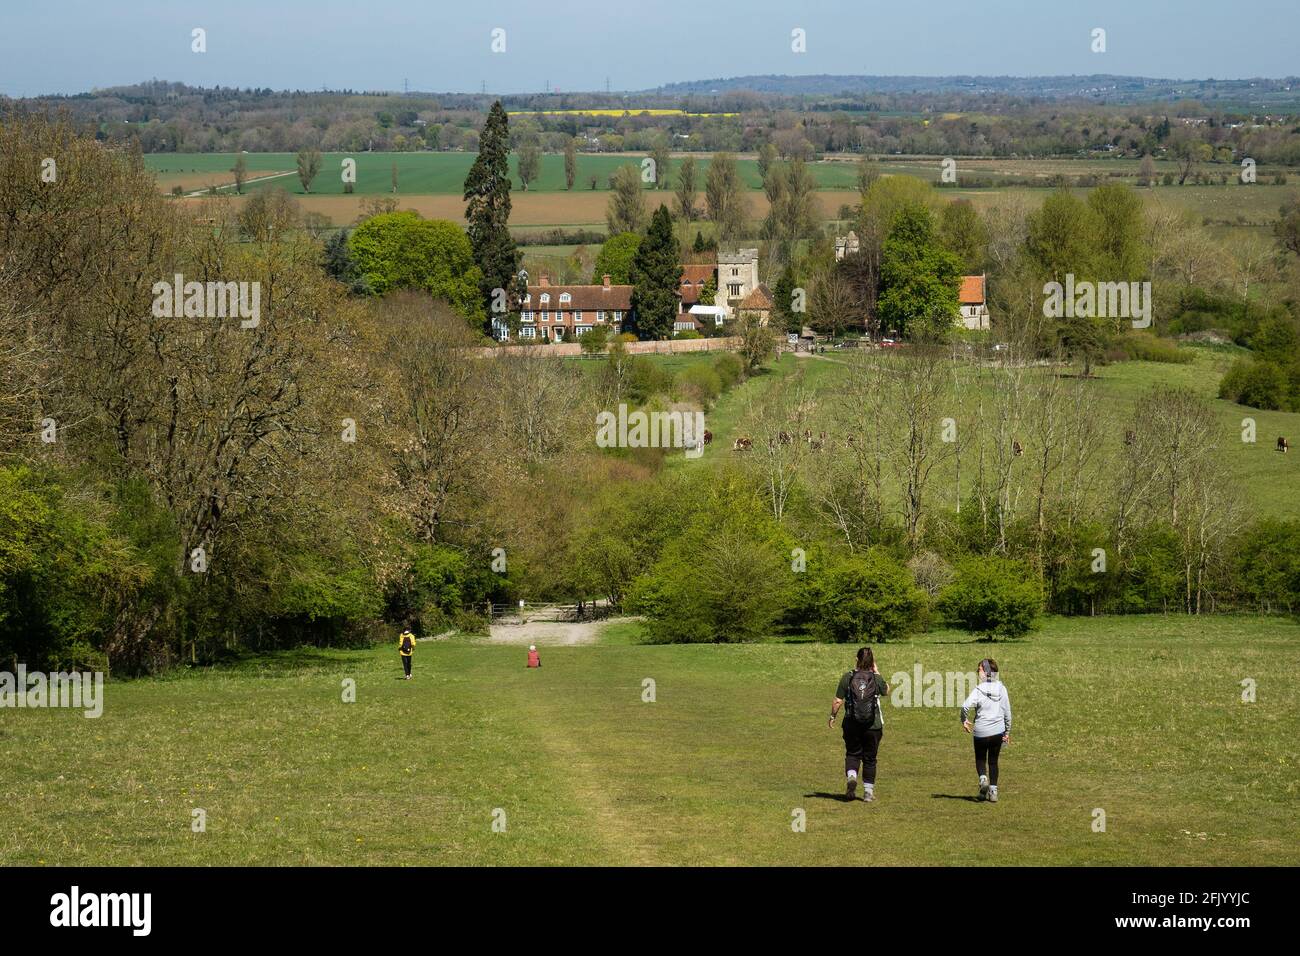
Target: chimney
point(604, 280)
point(543, 280)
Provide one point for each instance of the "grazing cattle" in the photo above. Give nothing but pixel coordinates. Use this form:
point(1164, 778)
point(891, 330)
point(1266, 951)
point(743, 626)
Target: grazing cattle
point(708, 437)
point(785, 438)
point(816, 444)
point(742, 444)
point(1016, 448)
point(1130, 436)
point(1283, 445)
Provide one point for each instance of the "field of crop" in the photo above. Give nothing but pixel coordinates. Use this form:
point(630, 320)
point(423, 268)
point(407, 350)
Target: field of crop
point(432, 183)
point(478, 761)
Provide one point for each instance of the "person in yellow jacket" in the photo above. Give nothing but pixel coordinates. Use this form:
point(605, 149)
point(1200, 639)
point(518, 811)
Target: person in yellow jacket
point(405, 648)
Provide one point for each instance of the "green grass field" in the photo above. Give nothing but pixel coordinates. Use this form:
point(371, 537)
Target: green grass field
point(1266, 480)
point(438, 173)
point(1141, 718)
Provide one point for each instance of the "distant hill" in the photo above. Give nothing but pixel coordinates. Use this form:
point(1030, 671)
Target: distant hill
point(1096, 86)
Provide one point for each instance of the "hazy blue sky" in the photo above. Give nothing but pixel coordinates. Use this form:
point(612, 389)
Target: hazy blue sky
point(74, 45)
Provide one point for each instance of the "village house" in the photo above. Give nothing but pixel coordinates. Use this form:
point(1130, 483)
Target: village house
point(974, 302)
point(560, 313)
point(847, 245)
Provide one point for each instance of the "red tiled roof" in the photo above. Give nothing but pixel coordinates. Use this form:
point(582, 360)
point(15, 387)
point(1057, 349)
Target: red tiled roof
point(758, 300)
point(694, 275)
point(972, 290)
point(584, 298)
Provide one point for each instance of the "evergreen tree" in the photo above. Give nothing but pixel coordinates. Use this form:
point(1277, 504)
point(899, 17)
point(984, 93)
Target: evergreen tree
point(657, 278)
point(487, 210)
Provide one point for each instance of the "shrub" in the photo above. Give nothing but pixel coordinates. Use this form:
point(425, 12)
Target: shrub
point(725, 579)
point(699, 383)
point(687, 334)
point(1257, 384)
point(868, 597)
point(1144, 347)
point(729, 368)
point(993, 596)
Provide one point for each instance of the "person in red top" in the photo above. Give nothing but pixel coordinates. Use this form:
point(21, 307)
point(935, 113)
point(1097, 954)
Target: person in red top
point(534, 659)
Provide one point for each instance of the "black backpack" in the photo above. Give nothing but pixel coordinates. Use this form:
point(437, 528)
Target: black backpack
point(406, 642)
point(863, 706)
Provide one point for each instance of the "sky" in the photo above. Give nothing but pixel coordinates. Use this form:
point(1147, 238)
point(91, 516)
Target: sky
point(70, 46)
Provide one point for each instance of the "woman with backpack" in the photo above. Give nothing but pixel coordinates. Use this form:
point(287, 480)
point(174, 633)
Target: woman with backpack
point(864, 723)
point(406, 647)
point(990, 706)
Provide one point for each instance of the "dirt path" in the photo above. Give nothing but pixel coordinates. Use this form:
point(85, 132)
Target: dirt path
point(547, 633)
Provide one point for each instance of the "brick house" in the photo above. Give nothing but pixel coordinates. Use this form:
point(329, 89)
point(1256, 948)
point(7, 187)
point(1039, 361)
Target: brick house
point(560, 313)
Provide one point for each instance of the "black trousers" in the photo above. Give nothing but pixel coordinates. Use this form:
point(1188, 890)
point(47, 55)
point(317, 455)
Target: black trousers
point(986, 753)
point(860, 747)
point(406, 664)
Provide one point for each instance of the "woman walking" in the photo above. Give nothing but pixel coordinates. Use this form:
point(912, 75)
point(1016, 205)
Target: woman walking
point(990, 706)
point(863, 724)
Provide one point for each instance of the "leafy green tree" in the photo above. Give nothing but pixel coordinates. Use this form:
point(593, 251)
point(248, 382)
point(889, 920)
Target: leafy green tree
point(919, 280)
point(570, 161)
point(625, 211)
point(993, 596)
point(1062, 237)
point(616, 257)
point(657, 278)
point(530, 162)
point(684, 192)
point(963, 233)
point(724, 196)
point(594, 341)
point(867, 597)
point(1287, 228)
point(487, 209)
point(402, 250)
point(659, 155)
point(1121, 253)
point(308, 167)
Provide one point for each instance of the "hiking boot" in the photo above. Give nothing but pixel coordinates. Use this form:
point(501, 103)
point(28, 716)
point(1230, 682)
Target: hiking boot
point(984, 787)
point(868, 793)
point(993, 794)
point(852, 789)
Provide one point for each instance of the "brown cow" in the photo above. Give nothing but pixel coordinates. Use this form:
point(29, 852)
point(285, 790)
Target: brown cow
point(708, 437)
point(1016, 448)
point(1130, 436)
point(742, 444)
point(1282, 444)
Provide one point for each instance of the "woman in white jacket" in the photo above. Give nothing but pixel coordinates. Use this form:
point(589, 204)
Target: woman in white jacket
point(989, 706)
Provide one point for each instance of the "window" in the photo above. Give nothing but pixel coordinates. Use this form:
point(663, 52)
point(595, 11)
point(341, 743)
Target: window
point(600, 315)
point(528, 299)
point(734, 289)
point(565, 298)
point(559, 332)
point(546, 298)
point(582, 328)
point(546, 316)
point(577, 316)
point(618, 316)
point(526, 316)
point(528, 333)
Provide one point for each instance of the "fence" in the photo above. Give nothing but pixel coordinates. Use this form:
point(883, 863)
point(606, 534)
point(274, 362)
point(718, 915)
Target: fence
point(728, 343)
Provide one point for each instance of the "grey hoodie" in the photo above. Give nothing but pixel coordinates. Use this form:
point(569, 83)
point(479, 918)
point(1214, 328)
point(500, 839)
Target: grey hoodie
point(992, 709)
